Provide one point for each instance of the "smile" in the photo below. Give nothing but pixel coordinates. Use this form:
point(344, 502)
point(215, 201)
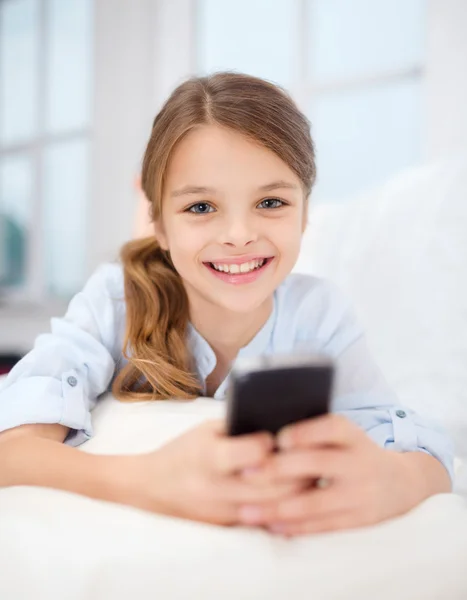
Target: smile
point(245, 267)
point(239, 272)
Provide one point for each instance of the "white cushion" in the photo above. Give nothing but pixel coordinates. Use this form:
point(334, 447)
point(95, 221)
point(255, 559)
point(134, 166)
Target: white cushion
point(56, 545)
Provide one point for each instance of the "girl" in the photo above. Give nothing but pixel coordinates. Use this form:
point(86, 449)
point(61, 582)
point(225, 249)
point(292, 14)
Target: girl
point(228, 172)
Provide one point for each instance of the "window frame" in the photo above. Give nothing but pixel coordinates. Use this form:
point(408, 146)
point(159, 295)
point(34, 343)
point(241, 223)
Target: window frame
point(34, 291)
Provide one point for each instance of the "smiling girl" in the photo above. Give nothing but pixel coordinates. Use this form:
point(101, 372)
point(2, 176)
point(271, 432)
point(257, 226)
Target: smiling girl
point(228, 172)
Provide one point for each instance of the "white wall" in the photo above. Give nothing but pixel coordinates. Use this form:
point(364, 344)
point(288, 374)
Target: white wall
point(123, 111)
point(143, 50)
point(446, 78)
point(18, 330)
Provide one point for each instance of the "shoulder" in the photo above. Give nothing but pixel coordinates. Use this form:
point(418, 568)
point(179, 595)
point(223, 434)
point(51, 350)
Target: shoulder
point(310, 297)
point(312, 309)
point(102, 293)
point(99, 308)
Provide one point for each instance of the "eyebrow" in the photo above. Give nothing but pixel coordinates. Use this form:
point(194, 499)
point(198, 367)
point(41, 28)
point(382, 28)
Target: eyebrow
point(278, 185)
point(196, 189)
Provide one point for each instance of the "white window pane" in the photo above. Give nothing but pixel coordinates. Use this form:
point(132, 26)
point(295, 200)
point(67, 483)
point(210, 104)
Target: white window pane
point(19, 29)
point(353, 37)
point(258, 37)
point(364, 136)
point(16, 175)
point(69, 63)
point(65, 206)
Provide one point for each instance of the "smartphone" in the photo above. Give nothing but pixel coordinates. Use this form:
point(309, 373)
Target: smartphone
point(270, 392)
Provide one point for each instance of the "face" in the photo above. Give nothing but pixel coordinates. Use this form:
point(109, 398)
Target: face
point(232, 219)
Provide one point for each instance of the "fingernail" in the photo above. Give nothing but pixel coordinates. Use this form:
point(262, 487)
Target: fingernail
point(250, 514)
point(285, 440)
point(276, 528)
point(250, 471)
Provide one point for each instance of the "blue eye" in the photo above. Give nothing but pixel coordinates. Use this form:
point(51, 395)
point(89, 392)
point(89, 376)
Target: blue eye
point(200, 208)
point(271, 203)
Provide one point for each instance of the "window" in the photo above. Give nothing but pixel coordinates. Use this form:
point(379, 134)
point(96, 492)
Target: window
point(45, 143)
point(355, 68)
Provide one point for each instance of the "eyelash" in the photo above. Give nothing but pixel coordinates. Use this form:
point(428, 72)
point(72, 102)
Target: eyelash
point(190, 208)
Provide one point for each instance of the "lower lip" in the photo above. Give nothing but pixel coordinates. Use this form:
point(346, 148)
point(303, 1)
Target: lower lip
point(240, 278)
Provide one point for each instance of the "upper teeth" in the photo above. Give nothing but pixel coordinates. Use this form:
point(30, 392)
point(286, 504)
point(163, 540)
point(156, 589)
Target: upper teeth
point(243, 268)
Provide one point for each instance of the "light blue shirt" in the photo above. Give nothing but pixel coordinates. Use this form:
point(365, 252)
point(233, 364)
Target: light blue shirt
point(60, 380)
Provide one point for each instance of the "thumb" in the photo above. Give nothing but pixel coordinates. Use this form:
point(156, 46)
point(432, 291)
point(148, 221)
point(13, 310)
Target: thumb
point(237, 453)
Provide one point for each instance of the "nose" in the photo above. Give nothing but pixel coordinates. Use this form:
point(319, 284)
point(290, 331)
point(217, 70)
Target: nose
point(238, 232)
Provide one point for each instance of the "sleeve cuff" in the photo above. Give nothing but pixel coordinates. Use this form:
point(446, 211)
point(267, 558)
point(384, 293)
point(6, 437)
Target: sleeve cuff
point(48, 400)
point(397, 428)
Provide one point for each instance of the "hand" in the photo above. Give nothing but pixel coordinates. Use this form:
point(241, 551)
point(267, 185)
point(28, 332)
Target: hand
point(366, 483)
point(196, 476)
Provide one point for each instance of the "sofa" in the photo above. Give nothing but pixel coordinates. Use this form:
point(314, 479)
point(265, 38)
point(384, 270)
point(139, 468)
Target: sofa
point(400, 252)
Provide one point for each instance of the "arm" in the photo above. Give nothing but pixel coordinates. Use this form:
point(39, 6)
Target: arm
point(363, 396)
point(34, 455)
point(361, 392)
point(60, 380)
point(428, 474)
point(194, 476)
point(48, 397)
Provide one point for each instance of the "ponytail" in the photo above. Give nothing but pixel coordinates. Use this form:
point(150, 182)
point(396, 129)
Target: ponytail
point(160, 365)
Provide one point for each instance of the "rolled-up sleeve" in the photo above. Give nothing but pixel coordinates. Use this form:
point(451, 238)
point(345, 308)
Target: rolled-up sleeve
point(60, 379)
point(362, 394)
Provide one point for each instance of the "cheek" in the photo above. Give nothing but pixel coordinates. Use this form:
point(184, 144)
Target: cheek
point(289, 234)
point(291, 246)
point(185, 243)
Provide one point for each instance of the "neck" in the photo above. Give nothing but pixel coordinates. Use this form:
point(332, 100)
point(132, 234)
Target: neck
point(228, 331)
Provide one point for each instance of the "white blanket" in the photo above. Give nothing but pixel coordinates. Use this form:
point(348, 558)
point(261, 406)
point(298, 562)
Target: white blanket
point(55, 545)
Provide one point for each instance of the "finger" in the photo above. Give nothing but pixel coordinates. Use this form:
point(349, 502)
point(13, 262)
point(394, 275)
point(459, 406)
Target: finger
point(338, 521)
point(330, 463)
point(241, 493)
point(217, 426)
point(213, 427)
point(331, 429)
point(310, 504)
point(230, 455)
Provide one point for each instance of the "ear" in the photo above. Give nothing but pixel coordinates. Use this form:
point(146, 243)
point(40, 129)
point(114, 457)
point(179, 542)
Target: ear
point(161, 237)
point(142, 226)
point(306, 215)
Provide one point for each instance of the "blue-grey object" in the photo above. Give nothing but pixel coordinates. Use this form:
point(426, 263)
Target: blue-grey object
point(13, 251)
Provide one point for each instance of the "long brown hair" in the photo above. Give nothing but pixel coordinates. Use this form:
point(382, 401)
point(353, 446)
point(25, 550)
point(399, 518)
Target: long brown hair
point(159, 361)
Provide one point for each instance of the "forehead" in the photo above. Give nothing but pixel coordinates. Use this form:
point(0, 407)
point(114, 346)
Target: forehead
point(215, 156)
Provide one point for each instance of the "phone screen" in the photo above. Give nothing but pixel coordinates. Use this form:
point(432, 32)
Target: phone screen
point(269, 397)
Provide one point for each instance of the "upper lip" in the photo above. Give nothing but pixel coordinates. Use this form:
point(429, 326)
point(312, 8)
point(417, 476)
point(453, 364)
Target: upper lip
point(238, 260)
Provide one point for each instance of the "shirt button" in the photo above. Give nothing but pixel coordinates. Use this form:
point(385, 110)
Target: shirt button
point(401, 413)
point(72, 381)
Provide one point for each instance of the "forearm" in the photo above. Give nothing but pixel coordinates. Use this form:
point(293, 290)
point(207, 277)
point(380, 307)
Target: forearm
point(37, 461)
point(426, 475)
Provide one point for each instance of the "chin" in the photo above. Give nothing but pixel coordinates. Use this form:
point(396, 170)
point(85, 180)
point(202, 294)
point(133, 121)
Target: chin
point(239, 304)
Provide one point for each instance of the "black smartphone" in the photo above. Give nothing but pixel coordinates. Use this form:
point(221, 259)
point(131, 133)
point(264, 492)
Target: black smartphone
point(270, 392)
